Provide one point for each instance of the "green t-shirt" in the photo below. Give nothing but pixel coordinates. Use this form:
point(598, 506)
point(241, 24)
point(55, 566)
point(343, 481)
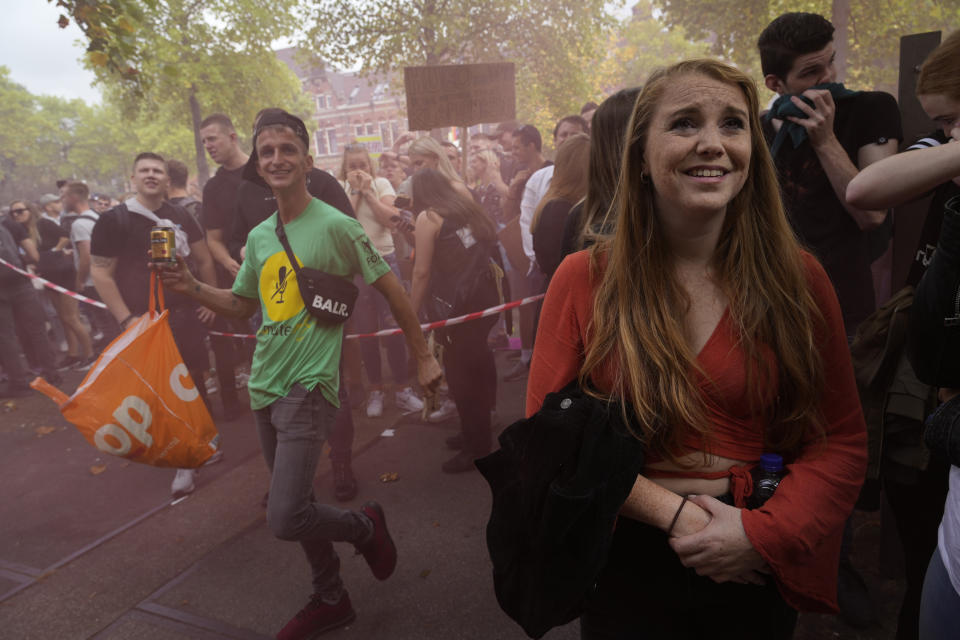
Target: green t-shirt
point(291, 346)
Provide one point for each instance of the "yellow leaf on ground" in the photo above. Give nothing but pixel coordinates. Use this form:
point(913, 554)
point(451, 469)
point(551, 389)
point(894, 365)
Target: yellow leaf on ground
point(392, 476)
point(97, 469)
point(42, 431)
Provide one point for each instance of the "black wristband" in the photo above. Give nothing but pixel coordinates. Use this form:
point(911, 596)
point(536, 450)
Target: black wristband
point(123, 323)
point(676, 516)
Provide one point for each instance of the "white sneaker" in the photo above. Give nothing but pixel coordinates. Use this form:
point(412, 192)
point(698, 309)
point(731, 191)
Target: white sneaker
point(241, 380)
point(375, 404)
point(447, 410)
point(183, 482)
point(407, 401)
point(211, 385)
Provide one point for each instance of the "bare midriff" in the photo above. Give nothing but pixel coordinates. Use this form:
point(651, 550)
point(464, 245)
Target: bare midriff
point(694, 485)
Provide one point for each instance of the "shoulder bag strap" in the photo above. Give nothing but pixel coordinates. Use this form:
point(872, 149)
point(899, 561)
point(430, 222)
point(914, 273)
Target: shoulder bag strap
point(282, 236)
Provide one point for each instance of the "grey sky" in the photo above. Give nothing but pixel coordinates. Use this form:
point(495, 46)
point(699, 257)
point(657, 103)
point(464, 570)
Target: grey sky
point(40, 55)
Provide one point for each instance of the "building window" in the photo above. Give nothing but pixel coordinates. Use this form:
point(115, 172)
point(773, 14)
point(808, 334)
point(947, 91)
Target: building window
point(385, 134)
point(395, 129)
point(358, 130)
point(332, 142)
point(322, 103)
point(321, 142)
point(371, 129)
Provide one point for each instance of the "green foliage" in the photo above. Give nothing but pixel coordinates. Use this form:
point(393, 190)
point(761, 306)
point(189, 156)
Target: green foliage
point(194, 58)
point(645, 44)
point(874, 30)
point(110, 27)
point(552, 43)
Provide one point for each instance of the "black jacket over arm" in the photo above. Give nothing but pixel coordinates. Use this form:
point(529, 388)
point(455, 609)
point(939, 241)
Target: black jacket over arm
point(558, 482)
point(933, 344)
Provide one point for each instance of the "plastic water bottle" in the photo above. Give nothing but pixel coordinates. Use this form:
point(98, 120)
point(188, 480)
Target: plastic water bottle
point(766, 478)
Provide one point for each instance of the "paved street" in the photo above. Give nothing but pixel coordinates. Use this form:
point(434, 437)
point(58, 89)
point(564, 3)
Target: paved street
point(91, 547)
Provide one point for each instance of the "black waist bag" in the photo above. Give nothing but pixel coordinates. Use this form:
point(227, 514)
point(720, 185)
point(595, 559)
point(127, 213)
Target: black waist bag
point(329, 298)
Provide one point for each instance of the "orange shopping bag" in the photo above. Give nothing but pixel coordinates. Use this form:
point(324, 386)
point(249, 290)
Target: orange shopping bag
point(138, 401)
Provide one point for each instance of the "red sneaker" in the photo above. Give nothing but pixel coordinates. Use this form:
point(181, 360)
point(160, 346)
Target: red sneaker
point(379, 551)
point(318, 617)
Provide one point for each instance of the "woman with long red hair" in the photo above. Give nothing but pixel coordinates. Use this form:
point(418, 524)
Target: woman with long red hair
point(701, 312)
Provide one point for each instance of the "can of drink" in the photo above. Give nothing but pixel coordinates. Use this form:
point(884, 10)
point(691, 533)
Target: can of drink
point(163, 244)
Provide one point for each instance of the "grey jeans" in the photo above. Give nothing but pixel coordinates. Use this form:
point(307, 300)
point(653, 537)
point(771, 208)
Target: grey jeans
point(292, 431)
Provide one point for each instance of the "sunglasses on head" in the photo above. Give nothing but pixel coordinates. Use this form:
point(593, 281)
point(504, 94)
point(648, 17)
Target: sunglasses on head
point(16, 211)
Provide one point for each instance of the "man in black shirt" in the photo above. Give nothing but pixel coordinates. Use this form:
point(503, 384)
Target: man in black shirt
point(119, 250)
point(841, 133)
point(220, 193)
point(226, 351)
point(841, 137)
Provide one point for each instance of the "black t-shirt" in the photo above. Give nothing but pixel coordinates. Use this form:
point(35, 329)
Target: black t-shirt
point(930, 234)
point(548, 236)
point(220, 199)
point(817, 215)
point(50, 234)
point(256, 203)
point(124, 235)
point(17, 230)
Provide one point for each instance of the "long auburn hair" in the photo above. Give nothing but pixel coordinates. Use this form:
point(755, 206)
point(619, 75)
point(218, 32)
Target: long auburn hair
point(433, 190)
point(940, 73)
point(606, 153)
point(570, 174)
point(638, 332)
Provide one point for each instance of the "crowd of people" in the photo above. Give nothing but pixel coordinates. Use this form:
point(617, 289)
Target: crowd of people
point(707, 266)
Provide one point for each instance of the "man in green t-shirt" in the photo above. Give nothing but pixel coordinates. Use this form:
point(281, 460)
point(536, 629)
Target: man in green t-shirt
point(294, 379)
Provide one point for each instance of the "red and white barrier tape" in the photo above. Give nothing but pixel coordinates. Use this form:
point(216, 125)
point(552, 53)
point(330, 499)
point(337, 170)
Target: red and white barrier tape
point(426, 327)
point(379, 334)
point(55, 287)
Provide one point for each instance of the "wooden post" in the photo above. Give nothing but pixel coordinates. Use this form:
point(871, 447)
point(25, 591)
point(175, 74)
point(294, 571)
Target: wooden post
point(464, 145)
point(909, 218)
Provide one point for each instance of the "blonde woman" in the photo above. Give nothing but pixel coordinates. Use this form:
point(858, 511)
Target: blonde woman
point(426, 153)
point(489, 188)
point(372, 200)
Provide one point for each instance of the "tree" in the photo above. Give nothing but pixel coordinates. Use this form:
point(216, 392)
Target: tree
point(191, 58)
point(644, 43)
point(868, 30)
point(551, 43)
point(109, 26)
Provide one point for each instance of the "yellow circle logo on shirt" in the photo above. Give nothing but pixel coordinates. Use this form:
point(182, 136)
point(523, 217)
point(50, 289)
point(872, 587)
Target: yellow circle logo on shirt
point(278, 288)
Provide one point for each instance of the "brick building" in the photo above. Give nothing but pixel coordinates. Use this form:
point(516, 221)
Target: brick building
point(346, 108)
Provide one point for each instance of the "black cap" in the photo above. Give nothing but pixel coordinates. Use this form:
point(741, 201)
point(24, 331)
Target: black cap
point(267, 118)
